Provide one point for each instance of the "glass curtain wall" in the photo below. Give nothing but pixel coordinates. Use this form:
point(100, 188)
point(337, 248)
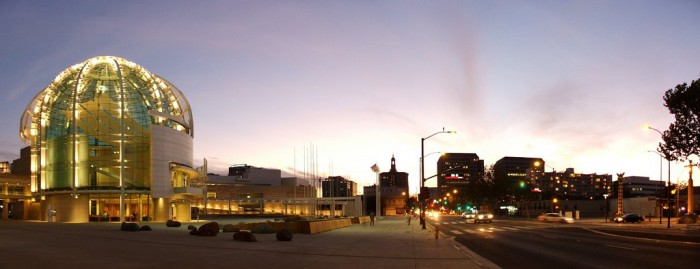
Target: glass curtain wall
point(93, 124)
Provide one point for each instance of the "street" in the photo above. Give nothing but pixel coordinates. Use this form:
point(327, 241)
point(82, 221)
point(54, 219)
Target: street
point(531, 244)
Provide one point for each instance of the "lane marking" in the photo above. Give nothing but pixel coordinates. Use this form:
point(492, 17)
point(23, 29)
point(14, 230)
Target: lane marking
point(621, 247)
point(456, 232)
point(640, 238)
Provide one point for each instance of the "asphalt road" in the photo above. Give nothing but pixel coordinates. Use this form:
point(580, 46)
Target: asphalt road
point(531, 244)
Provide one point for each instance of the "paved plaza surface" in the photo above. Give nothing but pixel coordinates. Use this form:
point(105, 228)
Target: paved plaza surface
point(391, 243)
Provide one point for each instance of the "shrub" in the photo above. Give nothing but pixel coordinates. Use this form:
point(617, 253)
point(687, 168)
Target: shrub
point(263, 228)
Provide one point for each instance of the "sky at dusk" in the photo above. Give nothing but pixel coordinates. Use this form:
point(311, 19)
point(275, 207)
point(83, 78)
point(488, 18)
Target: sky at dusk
point(571, 82)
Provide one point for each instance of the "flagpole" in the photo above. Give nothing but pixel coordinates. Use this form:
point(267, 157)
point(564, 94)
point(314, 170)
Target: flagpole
point(377, 192)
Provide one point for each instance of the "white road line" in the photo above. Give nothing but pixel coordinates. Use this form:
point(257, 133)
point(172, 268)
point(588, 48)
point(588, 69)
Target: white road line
point(456, 232)
point(613, 246)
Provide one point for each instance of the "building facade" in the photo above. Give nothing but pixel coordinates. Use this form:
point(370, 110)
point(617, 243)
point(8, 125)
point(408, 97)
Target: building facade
point(516, 177)
point(638, 186)
point(255, 175)
point(393, 192)
point(4, 167)
point(338, 187)
point(571, 185)
point(110, 140)
point(458, 176)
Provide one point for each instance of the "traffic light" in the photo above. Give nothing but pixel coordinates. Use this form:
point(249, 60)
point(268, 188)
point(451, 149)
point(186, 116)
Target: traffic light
point(424, 193)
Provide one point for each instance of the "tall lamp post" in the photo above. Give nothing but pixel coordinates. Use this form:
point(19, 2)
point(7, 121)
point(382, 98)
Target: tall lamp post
point(422, 175)
point(605, 197)
point(648, 127)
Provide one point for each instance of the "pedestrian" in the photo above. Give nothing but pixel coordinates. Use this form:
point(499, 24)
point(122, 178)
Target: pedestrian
point(371, 218)
point(408, 217)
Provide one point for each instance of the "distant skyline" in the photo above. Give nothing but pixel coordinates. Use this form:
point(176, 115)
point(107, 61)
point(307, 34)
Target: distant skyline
point(572, 82)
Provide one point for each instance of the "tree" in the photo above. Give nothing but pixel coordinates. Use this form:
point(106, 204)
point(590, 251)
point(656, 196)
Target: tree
point(682, 138)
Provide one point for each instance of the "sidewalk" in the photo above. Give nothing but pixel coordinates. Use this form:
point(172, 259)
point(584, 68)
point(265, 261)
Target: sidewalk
point(391, 243)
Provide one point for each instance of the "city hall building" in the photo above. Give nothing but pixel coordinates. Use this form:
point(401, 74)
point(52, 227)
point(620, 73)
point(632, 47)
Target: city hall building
point(111, 141)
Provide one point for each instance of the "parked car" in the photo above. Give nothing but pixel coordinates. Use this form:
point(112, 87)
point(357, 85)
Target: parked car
point(629, 217)
point(483, 217)
point(554, 217)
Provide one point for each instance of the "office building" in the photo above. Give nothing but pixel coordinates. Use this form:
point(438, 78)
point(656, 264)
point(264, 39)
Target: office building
point(458, 176)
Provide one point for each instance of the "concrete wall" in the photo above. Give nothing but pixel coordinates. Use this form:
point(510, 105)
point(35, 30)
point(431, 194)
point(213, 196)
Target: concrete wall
point(167, 145)
point(304, 227)
point(66, 208)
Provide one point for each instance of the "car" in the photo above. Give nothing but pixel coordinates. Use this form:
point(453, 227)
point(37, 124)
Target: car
point(554, 217)
point(468, 215)
point(483, 217)
point(629, 217)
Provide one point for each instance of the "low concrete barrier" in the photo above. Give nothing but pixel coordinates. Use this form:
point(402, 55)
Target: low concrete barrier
point(303, 226)
point(359, 220)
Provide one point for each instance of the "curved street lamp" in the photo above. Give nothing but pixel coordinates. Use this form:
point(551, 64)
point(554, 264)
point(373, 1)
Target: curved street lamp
point(648, 127)
point(422, 174)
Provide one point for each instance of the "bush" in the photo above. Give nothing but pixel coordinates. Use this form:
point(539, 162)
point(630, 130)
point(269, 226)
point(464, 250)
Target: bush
point(263, 228)
point(292, 219)
point(230, 228)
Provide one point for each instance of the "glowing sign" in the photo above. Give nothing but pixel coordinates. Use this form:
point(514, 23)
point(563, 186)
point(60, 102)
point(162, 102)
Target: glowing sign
point(454, 177)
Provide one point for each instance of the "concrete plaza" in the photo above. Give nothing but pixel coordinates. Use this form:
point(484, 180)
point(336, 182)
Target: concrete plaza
point(391, 243)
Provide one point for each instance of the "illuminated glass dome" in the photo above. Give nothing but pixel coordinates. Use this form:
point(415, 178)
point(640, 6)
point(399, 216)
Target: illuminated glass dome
point(91, 127)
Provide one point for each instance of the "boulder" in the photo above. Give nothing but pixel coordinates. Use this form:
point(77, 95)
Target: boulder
point(284, 235)
point(172, 223)
point(230, 228)
point(209, 229)
point(244, 236)
point(145, 228)
point(191, 227)
point(193, 232)
point(129, 227)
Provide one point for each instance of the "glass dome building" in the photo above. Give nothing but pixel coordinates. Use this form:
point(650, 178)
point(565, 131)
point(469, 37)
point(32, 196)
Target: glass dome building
point(111, 141)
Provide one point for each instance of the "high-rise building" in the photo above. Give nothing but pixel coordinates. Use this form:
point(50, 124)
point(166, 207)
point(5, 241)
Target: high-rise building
point(338, 187)
point(458, 175)
point(517, 176)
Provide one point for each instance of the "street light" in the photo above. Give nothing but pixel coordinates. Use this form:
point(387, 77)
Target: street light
point(422, 174)
point(648, 127)
point(605, 197)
